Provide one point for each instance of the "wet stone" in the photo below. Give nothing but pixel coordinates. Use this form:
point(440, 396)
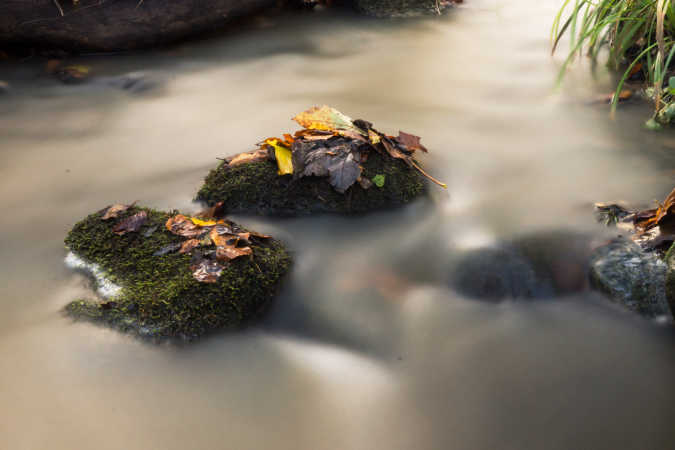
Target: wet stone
point(153, 293)
point(632, 278)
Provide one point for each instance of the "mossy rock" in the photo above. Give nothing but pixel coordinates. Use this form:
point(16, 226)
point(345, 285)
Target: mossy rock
point(257, 188)
point(159, 297)
point(399, 8)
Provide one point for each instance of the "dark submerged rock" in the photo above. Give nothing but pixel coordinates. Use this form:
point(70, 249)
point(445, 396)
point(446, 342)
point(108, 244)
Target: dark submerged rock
point(257, 188)
point(531, 266)
point(159, 297)
point(94, 25)
point(631, 277)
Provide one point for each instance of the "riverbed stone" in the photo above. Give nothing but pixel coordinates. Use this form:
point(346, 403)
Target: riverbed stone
point(400, 8)
point(632, 278)
point(155, 295)
point(257, 188)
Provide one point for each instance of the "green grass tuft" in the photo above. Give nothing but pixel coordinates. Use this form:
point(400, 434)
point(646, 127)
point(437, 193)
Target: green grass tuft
point(639, 36)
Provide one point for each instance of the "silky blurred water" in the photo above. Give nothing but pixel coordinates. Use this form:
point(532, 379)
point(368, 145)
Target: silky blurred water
point(367, 347)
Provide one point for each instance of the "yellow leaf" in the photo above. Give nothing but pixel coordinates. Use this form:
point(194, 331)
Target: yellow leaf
point(202, 223)
point(324, 118)
point(373, 137)
point(283, 155)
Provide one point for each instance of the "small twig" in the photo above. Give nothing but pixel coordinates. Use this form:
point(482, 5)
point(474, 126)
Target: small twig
point(58, 5)
point(440, 183)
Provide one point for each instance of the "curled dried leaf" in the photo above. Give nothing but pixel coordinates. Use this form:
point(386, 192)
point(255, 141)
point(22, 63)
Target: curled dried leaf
point(206, 271)
point(113, 211)
point(183, 226)
point(189, 245)
point(131, 223)
point(410, 141)
point(249, 157)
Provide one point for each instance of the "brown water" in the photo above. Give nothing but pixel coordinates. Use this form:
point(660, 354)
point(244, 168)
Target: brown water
point(340, 363)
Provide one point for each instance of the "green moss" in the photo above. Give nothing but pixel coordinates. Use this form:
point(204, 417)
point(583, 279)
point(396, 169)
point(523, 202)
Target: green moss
point(160, 298)
point(256, 188)
point(399, 8)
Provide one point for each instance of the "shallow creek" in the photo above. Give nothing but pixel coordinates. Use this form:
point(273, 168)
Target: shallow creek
point(342, 361)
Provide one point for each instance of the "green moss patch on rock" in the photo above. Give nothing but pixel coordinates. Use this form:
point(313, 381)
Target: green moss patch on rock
point(257, 188)
point(159, 297)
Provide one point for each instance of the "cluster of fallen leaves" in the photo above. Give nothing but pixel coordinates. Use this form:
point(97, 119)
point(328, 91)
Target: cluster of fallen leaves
point(333, 145)
point(650, 228)
point(212, 240)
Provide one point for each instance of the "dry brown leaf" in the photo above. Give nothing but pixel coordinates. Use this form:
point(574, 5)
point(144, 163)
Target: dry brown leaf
point(652, 217)
point(183, 226)
point(250, 157)
point(113, 211)
point(189, 245)
point(410, 141)
point(226, 245)
point(131, 223)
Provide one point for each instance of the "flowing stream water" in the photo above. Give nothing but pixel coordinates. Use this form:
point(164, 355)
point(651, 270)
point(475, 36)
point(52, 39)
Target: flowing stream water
point(368, 347)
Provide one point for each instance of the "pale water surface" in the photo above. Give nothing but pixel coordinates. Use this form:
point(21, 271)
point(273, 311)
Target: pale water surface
point(366, 348)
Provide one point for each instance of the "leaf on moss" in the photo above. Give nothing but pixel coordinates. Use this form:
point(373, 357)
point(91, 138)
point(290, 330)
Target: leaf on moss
point(206, 271)
point(343, 171)
point(283, 156)
point(249, 157)
point(410, 142)
point(189, 245)
point(183, 226)
point(113, 211)
point(131, 224)
point(379, 180)
point(325, 118)
point(202, 223)
point(230, 246)
point(373, 137)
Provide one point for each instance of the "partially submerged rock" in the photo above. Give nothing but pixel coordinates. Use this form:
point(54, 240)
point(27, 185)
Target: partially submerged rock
point(401, 8)
point(94, 25)
point(335, 164)
point(256, 187)
point(151, 288)
point(532, 266)
point(632, 278)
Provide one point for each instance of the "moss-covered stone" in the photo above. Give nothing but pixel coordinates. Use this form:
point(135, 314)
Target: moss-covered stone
point(399, 8)
point(159, 296)
point(670, 277)
point(257, 188)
